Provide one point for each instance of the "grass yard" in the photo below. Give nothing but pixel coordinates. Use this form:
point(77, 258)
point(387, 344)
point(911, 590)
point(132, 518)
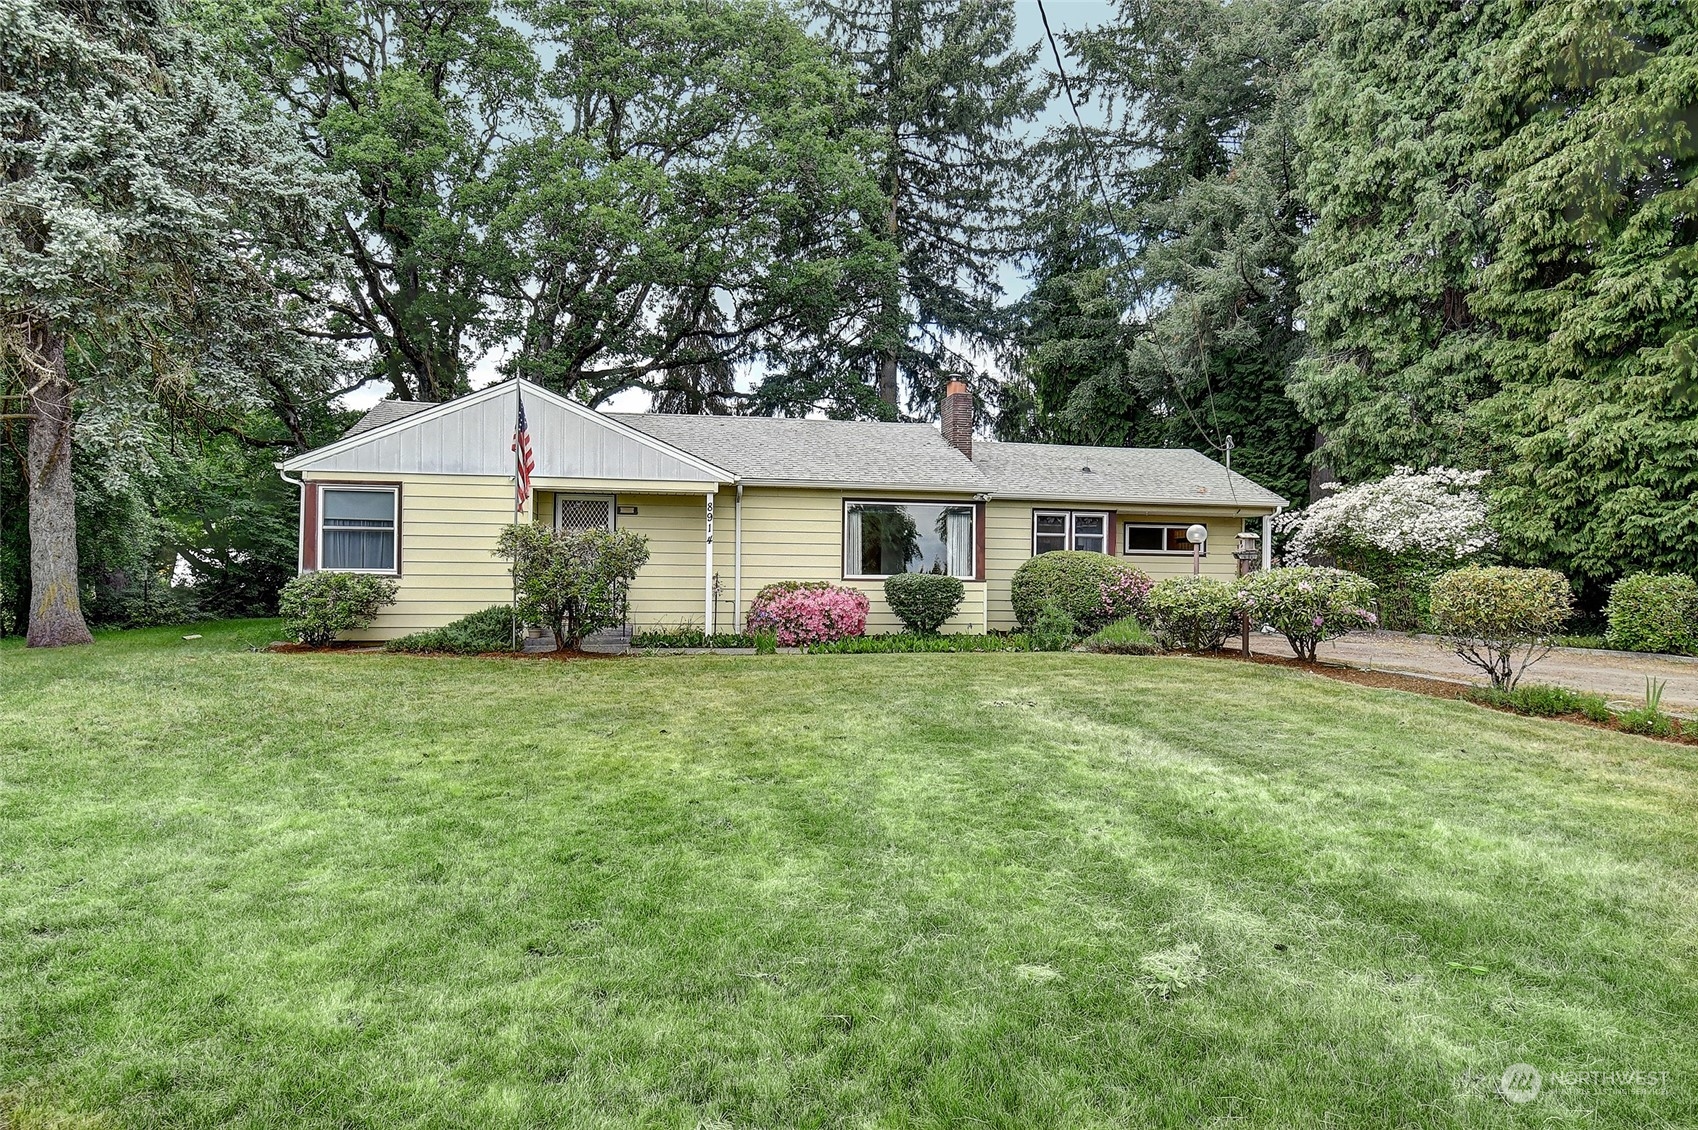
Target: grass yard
point(1008, 890)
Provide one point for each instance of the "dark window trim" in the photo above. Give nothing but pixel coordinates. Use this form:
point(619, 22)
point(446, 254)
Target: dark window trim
point(843, 532)
point(1186, 552)
point(314, 524)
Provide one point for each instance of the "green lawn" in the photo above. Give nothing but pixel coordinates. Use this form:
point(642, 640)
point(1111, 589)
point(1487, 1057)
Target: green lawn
point(1015, 890)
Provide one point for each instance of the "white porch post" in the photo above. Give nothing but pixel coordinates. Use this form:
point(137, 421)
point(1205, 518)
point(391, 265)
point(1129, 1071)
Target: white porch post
point(707, 574)
point(737, 562)
point(1267, 541)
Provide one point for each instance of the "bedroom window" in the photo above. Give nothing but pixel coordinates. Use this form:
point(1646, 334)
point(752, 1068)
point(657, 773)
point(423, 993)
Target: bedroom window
point(1158, 539)
point(881, 539)
point(357, 529)
point(1085, 530)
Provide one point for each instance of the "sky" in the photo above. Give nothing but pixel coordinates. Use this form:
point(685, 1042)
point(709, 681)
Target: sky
point(1064, 15)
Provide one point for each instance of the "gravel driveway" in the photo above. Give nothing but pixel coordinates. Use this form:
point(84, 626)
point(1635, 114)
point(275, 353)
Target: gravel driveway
point(1619, 676)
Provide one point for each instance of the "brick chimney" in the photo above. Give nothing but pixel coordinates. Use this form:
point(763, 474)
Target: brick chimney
point(958, 417)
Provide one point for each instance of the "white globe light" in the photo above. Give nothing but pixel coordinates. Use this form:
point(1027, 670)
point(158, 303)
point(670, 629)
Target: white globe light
point(1197, 534)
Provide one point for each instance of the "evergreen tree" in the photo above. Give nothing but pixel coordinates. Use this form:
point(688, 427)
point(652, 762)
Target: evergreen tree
point(1587, 115)
point(1195, 241)
point(947, 95)
point(1397, 354)
point(155, 228)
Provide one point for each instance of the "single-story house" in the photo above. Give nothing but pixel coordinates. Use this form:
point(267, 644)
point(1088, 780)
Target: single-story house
point(420, 492)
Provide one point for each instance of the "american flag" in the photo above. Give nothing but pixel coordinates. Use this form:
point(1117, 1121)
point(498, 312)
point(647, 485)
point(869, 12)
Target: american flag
point(523, 460)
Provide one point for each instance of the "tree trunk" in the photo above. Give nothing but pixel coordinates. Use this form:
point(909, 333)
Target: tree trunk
point(887, 386)
point(55, 610)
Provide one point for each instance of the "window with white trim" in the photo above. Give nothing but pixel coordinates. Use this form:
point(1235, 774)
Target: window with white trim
point(881, 539)
point(1142, 537)
point(1084, 530)
point(356, 529)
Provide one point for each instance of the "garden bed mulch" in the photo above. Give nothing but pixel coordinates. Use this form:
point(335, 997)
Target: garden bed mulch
point(355, 647)
point(1441, 688)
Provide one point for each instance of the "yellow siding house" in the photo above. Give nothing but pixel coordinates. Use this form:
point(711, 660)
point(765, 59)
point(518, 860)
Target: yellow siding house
point(730, 504)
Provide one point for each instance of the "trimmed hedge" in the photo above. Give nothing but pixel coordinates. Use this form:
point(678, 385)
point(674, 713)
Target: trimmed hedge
point(1308, 604)
point(1653, 612)
point(923, 601)
point(1094, 589)
point(1486, 614)
point(317, 607)
point(488, 630)
point(1193, 613)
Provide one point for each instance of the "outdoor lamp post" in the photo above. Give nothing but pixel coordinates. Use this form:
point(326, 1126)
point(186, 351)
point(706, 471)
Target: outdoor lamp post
point(1197, 535)
point(1247, 554)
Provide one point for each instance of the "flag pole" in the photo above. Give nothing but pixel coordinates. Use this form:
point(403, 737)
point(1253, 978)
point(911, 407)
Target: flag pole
point(518, 456)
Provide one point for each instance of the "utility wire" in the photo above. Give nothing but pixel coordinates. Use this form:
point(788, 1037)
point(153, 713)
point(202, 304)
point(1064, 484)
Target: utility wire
point(1108, 206)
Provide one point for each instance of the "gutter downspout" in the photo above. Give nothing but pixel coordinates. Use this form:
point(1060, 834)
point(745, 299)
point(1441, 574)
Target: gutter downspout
point(1267, 538)
point(300, 486)
point(737, 563)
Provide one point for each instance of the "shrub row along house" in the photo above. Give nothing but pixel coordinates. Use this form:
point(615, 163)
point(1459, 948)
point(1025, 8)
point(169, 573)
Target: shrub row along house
point(729, 504)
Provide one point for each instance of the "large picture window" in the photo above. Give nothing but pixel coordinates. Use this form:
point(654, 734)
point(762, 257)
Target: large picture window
point(1144, 538)
point(357, 529)
point(881, 539)
point(1085, 530)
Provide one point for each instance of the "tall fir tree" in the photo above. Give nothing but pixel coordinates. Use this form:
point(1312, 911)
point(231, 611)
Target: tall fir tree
point(1587, 120)
point(1195, 241)
point(1397, 355)
point(948, 95)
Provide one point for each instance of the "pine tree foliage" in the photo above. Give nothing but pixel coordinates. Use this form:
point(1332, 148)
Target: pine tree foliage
point(946, 94)
point(1589, 111)
point(1396, 353)
point(1195, 242)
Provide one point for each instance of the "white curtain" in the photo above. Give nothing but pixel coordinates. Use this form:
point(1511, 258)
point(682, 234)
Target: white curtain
point(961, 543)
point(852, 541)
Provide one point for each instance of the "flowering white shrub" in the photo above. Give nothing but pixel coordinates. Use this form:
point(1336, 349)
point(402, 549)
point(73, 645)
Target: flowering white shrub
point(1433, 516)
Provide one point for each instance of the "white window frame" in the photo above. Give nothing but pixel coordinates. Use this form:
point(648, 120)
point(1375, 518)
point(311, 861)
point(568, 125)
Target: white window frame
point(1126, 544)
point(972, 543)
point(561, 498)
point(1072, 534)
point(394, 493)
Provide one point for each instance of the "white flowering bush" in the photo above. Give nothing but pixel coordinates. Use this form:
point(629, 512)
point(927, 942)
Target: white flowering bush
point(1307, 604)
point(1398, 531)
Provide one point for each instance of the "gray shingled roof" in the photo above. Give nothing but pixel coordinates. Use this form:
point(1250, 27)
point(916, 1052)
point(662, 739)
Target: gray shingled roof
point(817, 451)
point(387, 412)
point(869, 453)
point(1114, 474)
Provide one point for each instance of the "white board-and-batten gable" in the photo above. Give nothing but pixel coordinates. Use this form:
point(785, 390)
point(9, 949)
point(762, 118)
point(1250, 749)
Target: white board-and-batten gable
point(474, 436)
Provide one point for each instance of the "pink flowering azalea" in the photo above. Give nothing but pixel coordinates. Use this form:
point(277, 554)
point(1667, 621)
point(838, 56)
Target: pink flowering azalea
point(807, 616)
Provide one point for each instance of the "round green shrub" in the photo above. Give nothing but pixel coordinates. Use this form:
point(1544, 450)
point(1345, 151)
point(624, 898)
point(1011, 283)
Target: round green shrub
point(1308, 604)
point(1653, 612)
point(317, 607)
point(1092, 588)
point(1193, 613)
point(1488, 614)
point(923, 601)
